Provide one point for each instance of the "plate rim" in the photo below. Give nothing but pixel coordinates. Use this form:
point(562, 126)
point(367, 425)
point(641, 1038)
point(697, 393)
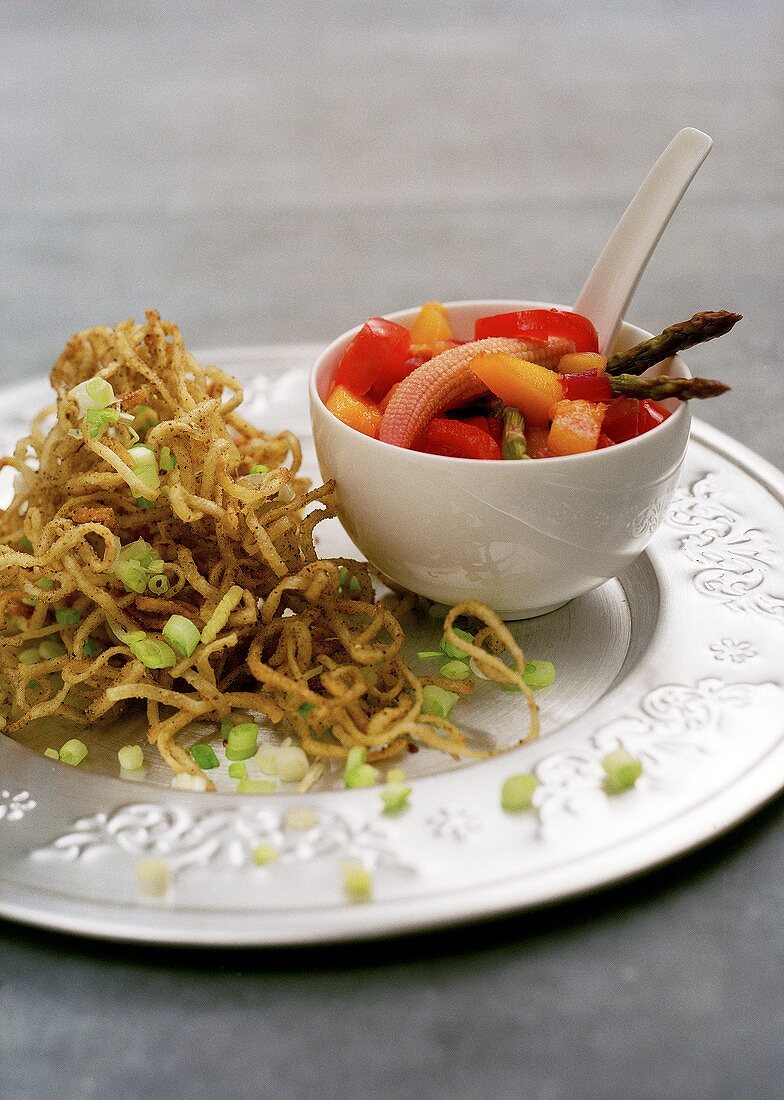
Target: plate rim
point(623, 860)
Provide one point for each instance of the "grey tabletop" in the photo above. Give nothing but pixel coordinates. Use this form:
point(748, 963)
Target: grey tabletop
point(275, 172)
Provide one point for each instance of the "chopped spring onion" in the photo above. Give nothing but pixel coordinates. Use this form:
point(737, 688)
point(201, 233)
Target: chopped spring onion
point(255, 786)
point(430, 654)
point(50, 648)
point(126, 636)
point(95, 393)
point(305, 709)
point(622, 770)
point(205, 757)
point(145, 466)
point(153, 878)
point(300, 818)
point(539, 674)
point(67, 616)
point(153, 653)
point(311, 776)
point(158, 584)
point(267, 758)
point(238, 771)
point(517, 793)
point(144, 418)
point(357, 773)
point(259, 469)
point(46, 583)
point(29, 656)
point(436, 700)
point(347, 579)
point(395, 797)
point(98, 420)
point(136, 563)
point(131, 758)
point(396, 775)
point(25, 543)
point(241, 742)
point(357, 882)
point(90, 648)
point(184, 781)
point(220, 615)
point(265, 853)
point(53, 754)
point(143, 503)
point(226, 726)
point(292, 764)
point(73, 752)
point(363, 776)
point(439, 611)
point(182, 635)
point(356, 756)
point(456, 670)
point(473, 664)
point(167, 460)
point(453, 651)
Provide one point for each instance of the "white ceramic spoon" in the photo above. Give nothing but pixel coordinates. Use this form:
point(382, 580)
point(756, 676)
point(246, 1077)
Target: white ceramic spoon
point(615, 275)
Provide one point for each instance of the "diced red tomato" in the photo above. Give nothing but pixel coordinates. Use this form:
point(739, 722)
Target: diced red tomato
point(587, 386)
point(539, 324)
point(603, 441)
point(375, 357)
point(458, 439)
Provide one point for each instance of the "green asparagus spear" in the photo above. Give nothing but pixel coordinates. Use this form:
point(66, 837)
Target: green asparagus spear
point(513, 438)
point(685, 334)
point(659, 389)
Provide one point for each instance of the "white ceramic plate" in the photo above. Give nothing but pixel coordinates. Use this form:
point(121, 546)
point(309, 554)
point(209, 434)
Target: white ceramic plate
point(679, 661)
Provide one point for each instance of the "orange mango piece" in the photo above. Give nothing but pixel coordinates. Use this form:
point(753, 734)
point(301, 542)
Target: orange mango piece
point(362, 415)
point(431, 330)
point(576, 427)
point(578, 362)
point(534, 390)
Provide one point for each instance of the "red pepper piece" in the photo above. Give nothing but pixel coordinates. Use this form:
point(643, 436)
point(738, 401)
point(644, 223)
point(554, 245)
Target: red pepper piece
point(621, 421)
point(539, 324)
point(477, 421)
point(375, 357)
point(456, 439)
point(604, 441)
point(587, 386)
point(651, 415)
point(382, 385)
point(495, 426)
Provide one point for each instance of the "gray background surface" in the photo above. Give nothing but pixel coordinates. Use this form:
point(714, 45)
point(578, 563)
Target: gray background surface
point(277, 172)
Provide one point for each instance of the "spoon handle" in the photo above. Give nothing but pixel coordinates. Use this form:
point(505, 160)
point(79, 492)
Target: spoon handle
point(616, 273)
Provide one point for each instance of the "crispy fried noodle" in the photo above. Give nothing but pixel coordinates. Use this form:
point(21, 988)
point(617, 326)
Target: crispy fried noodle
point(148, 497)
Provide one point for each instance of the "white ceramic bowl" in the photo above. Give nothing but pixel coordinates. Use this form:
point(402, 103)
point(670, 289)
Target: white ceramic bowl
point(523, 537)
